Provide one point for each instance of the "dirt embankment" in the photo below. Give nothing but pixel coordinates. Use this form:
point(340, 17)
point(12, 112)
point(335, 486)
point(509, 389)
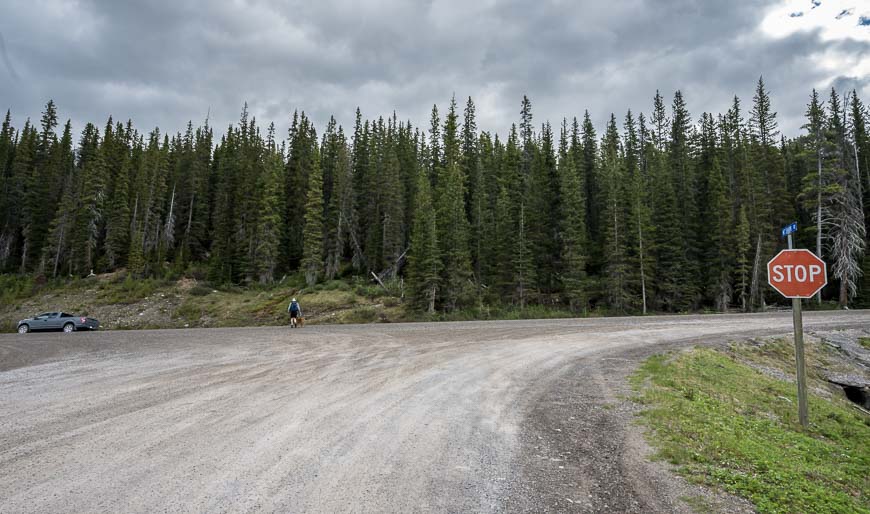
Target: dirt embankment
point(122, 303)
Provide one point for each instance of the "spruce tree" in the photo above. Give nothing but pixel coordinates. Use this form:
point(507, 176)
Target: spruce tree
point(58, 243)
point(613, 223)
point(424, 263)
point(453, 238)
point(27, 182)
point(269, 214)
point(573, 216)
point(544, 222)
point(8, 201)
point(685, 187)
point(475, 204)
point(638, 209)
point(744, 259)
point(91, 191)
point(312, 236)
point(435, 153)
point(392, 217)
point(815, 126)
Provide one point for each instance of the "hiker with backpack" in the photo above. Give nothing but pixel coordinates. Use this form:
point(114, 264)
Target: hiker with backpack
point(295, 313)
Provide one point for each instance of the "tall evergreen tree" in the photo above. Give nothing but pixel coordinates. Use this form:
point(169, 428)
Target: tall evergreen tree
point(270, 209)
point(312, 236)
point(424, 263)
point(573, 216)
point(453, 237)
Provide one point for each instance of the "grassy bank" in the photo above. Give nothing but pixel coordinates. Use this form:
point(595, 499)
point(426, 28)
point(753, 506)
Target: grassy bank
point(724, 424)
point(122, 302)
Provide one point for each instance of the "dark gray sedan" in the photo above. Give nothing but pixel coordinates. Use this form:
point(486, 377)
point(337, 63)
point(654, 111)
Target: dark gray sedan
point(57, 321)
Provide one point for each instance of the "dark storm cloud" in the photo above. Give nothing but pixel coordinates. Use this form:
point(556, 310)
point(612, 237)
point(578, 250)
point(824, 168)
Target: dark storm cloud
point(164, 62)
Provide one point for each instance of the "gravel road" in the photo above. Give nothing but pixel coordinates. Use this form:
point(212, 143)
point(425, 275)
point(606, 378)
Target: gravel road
point(517, 416)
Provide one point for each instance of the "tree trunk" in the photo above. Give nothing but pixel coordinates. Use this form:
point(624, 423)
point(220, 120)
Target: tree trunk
point(59, 247)
point(819, 216)
point(642, 275)
point(755, 287)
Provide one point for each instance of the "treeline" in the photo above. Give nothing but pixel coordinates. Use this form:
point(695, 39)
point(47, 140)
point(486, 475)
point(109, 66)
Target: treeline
point(659, 212)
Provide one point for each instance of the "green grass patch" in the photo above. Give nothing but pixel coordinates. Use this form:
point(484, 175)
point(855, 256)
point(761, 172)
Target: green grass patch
point(14, 288)
point(132, 290)
point(865, 342)
point(726, 425)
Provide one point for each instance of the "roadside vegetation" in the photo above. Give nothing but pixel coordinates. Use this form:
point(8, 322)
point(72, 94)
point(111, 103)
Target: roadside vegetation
point(121, 302)
point(188, 300)
point(725, 420)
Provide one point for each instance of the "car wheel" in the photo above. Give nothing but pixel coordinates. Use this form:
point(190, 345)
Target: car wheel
point(69, 327)
point(23, 329)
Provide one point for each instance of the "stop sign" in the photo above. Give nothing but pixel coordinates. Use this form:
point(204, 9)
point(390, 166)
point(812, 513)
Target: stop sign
point(797, 273)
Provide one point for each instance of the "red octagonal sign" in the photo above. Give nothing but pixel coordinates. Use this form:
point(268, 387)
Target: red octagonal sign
point(797, 273)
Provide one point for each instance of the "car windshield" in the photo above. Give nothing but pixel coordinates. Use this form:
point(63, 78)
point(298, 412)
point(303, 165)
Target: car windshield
point(43, 315)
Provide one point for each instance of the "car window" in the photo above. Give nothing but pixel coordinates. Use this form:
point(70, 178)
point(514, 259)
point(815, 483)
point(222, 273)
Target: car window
point(65, 315)
point(43, 315)
point(52, 315)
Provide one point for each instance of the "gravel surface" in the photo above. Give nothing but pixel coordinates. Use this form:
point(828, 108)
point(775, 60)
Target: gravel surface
point(517, 416)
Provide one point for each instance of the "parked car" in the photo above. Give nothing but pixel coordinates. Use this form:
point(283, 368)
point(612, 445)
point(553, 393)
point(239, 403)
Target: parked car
point(57, 321)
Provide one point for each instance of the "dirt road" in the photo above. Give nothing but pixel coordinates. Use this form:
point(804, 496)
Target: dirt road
point(459, 417)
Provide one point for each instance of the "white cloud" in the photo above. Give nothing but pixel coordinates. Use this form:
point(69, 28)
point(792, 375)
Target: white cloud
point(835, 20)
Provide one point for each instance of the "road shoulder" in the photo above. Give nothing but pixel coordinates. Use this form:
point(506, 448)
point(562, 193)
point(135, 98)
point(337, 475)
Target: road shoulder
point(582, 450)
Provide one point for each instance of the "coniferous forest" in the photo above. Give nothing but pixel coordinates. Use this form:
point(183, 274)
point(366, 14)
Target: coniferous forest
point(663, 211)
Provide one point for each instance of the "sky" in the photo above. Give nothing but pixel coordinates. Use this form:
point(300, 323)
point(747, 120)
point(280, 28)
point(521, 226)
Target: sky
point(164, 62)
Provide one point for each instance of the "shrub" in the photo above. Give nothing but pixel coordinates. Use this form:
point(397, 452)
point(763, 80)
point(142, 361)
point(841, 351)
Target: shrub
point(200, 290)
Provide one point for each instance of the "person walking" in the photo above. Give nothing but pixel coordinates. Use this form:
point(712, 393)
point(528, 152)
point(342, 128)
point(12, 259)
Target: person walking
point(295, 313)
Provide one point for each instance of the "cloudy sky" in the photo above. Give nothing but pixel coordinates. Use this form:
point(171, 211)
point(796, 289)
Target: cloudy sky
point(163, 62)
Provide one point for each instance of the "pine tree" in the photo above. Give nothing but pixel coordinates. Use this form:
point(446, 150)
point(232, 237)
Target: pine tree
point(392, 217)
point(721, 257)
point(312, 237)
point(544, 223)
point(453, 237)
point(269, 214)
point(58, 243)
point(302, 148)
point(523, 266)
point(588, 168)
point(684, 180)
point(614, 226)
point(638, 209)
point(424, 263)
point(573, 218)
point(815, 126)
point(743, 269)
point(118, 202)
point(8, 202)
point(27, 188)
point(91, 192)
point(362, 196)
point(527, 135)
point(435, 154)
point(861, 150)
point(340, 210)
point(848, 232)
point(476, 195)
